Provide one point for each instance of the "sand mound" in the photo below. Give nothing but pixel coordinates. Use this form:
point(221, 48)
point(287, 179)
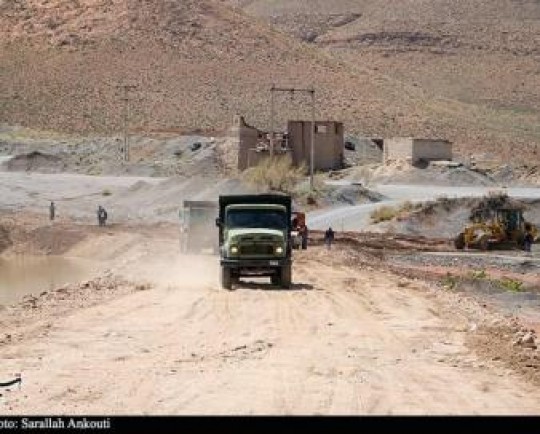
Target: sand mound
point(35, 161)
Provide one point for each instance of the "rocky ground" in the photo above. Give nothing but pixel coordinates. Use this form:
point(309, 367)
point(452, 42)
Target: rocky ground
point(154, 334)
point(388, 321)
point(380, 305)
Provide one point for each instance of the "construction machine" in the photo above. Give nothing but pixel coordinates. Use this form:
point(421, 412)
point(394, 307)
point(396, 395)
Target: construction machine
point(499, 225)
point(197, 230)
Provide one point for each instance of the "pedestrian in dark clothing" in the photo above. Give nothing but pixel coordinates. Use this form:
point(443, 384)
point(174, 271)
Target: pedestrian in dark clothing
point(304, 237)
point(527, 242)
point(329, 238)
point(528, 239)
point(52, 210)
point(102, 216)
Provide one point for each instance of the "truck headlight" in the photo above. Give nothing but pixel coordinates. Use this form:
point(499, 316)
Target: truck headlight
point(279, 250)
point(234, 250)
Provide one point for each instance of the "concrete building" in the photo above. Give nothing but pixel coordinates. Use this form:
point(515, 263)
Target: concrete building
point(253, 145)
point(329, 144)
point(244, 137)
point(416, 151)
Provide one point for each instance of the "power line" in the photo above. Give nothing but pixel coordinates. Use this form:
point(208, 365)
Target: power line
point(292, 91)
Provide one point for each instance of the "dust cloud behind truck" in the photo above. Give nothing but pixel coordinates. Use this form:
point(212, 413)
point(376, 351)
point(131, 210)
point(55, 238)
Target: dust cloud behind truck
point(198, 230)
point(254, 238)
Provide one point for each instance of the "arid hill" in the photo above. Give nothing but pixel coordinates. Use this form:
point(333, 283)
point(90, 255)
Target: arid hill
point(475, 59)
point(197, 63)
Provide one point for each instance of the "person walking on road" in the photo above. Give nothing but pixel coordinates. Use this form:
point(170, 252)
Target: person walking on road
point(52, 211)
point(102, 216)
point(329, 238)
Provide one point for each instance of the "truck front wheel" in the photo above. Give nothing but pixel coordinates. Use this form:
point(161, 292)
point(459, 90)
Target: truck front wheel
point(285, 276)
point(226, 278)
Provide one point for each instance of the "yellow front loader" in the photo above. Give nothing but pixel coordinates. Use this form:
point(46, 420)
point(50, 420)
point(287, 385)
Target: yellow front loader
point(502, 226)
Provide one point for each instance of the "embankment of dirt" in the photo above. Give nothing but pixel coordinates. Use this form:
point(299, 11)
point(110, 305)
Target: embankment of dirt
point(512, 344)
point(446, 217)
point(35, 161)
point(34, 315)
point(28, 234)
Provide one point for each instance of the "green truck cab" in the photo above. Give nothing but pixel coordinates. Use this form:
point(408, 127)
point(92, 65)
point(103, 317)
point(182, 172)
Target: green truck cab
point(254, 238)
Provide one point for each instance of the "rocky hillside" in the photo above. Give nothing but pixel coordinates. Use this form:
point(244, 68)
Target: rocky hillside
point(476, 60)
point(197, 63)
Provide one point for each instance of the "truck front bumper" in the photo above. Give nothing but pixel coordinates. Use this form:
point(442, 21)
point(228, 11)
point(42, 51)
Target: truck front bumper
point(255, 263)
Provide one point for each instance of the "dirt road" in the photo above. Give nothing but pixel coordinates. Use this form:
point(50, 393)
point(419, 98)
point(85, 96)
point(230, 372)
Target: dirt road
point(344, 340)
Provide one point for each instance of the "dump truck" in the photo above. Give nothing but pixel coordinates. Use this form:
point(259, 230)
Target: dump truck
point(197, 230)
point(254, 238)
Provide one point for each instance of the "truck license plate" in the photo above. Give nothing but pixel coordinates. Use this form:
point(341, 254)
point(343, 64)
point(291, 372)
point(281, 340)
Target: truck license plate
point(274, 263)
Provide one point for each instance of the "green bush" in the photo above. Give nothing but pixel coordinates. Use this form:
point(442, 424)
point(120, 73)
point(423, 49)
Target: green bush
point(449, 282)
point(511, 284)
point(478, 274)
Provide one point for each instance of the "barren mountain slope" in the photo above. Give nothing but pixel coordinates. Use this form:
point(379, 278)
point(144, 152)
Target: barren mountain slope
point(470, 55)
point(196, 63)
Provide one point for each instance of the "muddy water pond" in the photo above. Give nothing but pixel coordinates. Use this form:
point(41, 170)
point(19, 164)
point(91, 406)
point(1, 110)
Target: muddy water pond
point(23, 274)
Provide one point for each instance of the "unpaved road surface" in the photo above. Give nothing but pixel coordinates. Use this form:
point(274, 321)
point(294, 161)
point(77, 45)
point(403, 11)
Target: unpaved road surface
point(344, 340)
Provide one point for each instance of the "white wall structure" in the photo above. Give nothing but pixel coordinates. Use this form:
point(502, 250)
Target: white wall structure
point(416, 151)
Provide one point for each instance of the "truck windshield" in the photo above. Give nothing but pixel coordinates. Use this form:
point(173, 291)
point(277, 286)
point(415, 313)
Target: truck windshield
point(254, 218)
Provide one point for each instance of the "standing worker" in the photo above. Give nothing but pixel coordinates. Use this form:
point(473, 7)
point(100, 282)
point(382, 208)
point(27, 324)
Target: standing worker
point(528, 239)
point(304, 237)
point(329, 238)
point(52, 209)
point(102, 215)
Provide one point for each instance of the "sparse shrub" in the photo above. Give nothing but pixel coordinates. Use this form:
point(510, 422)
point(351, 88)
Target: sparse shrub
point(407, 206)
point(449, 282)
point(511, 284)
point(275, 174)
point(478, 274)
point(383, 213)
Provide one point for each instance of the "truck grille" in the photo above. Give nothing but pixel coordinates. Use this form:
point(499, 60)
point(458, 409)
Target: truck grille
point(257, 249)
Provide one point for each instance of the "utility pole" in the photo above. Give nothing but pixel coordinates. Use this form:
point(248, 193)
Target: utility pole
point(292, 91)
point(125, 149)
point(272, 90)
point(312, 144)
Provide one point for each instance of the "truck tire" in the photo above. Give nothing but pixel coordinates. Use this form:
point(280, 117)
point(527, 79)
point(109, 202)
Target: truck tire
point(226, 278)
point(459, 241)
point(285, 276)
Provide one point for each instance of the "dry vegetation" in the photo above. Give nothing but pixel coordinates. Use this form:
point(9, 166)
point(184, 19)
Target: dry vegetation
point(275, 174)
point(387, 213)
